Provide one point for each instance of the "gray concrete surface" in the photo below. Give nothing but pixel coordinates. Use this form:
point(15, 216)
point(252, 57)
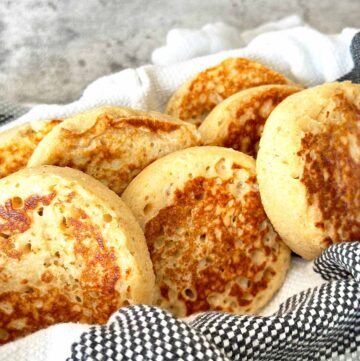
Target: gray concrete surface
point(51, 49)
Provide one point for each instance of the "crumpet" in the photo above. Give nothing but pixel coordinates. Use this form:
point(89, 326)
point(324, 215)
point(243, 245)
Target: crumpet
point(308, 167)
point(113, 144)
point(197, 97)
point(17, 144)
point(210, 242)
point(239, 120)
point(70, 251)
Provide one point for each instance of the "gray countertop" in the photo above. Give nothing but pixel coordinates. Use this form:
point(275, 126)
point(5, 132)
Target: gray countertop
point(50, 50)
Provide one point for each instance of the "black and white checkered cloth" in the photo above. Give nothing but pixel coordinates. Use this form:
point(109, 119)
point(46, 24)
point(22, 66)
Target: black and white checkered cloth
point(319, 324)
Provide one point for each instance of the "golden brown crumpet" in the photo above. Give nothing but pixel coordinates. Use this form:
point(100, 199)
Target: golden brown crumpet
point(70, 251)
point(197, 97)
point(17, 144)
point(210, 241)
point(113, 144)
point(308, 167)
point(238, 121)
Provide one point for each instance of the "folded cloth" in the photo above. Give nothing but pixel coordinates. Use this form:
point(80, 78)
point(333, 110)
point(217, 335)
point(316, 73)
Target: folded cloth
point(185, 44)
point(321, 323)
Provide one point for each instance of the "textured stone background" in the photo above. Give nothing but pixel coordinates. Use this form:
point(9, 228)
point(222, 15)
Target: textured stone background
point(51, 49)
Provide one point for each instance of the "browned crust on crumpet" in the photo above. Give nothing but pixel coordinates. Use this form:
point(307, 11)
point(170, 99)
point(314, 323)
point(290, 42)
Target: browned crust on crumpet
point(198, 96)
point(310, 176)
point(18, 144)
point(70, 251)
point(209, 239)
point(239, 120)
point(113, 144)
